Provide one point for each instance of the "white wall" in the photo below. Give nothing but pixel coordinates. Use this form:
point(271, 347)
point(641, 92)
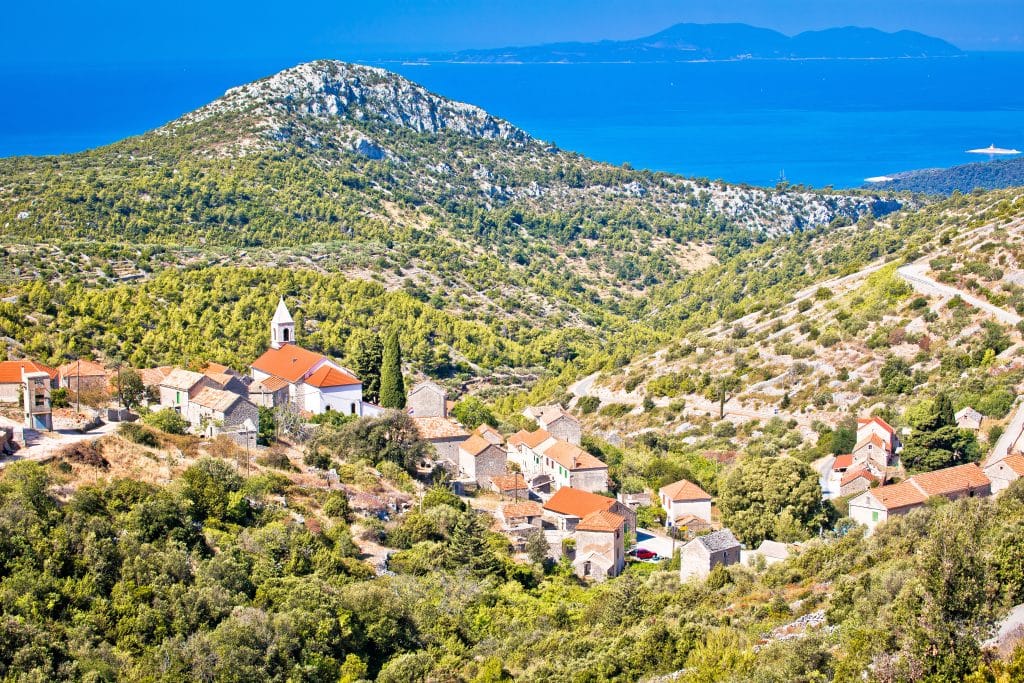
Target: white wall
point(697, 508)
point(864, 509)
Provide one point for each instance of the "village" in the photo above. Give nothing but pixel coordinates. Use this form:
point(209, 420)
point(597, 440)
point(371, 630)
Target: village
point(539, 487)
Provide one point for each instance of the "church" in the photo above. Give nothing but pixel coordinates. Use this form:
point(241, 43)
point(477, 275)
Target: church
point(315, 383)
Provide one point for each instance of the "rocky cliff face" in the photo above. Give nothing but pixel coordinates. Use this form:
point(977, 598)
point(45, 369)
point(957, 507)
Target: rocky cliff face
point(312, 102)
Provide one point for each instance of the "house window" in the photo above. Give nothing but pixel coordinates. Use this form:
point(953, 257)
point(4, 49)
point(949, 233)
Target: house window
point(284, 334)
point(353, 405)
point(177, 397)
point(874, 515)
point(586, 568)
point(40, 400)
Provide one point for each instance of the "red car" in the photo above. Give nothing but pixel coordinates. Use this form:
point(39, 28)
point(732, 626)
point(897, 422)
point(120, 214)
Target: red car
point(645, 554)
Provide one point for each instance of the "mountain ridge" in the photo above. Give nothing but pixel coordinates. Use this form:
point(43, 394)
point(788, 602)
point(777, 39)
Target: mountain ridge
point(698, 42)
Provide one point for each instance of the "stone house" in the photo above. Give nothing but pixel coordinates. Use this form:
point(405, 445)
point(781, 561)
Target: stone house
point(427, 399)
point(600, 546)
point(180, 386)
point(445, 435)
point(269, 393)
point(556, 421)
point(510, 486)
point(518, 515)
point(480, 458)
point(569, 506)
point(1005, 472)
point(969, 418)
point(684, 498)
point(226, 379)
point(11, 384)
point(83, 376)
point(857, 481)
point(699, 556)
point(35, 394)
point(876, 505)
point(213, 411)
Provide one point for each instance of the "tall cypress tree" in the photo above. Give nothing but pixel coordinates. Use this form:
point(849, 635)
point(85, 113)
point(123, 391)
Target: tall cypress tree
point(944, 414)
point(392, 386)
point(367, 353)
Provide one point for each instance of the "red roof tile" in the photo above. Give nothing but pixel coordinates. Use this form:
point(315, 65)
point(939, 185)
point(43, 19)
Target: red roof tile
point(10, 370)
point(602, 520)
point(529, 439)
point(526, 508)
point(439, 428)
point(577, 503)
point(901, 495)
point(508, 482)
point(1016, 463)
point(572, 457)
point(82, 368)
point(684, 490)
point(290, 362)
point(876, 420)
point(842, 462)
point(475, 445)
point(951, 480)
point(328, 376)
point(857, 474)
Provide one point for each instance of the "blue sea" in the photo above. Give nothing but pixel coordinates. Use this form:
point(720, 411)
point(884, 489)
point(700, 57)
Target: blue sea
point(817, 122)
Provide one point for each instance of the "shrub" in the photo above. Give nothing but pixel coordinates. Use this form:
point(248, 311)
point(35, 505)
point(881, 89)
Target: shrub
point(615, 409)
point(167, 420)
point(336, 506)
point(588, 404)
point(724, 430)
point(136, 433)
point(59, 398)
point(278, 460)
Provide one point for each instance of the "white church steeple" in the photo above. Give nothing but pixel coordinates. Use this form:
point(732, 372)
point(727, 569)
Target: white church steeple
point(282, 327)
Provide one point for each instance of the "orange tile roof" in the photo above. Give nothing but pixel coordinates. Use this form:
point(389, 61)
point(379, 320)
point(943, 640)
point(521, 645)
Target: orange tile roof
point(183, 380)
point(951, 480)
point(526, 508)
point(328, 376)
point(290, 362)
point(897, 496)
point(490, 433)
point(572, 457)
point(271, 384)
point(842, 462)
point(216, 368)
point(529, 439)
point(602, 520)
point(878, 421)
point(438, 428)
point(10, 370)
point(221, 378)
point(872, 439)
point(1016, 463)
point(82, 368)
point(475, 445)
point(577, 503)
point(215, 399)
point(151, 376)
point(509, 482)
point(857, 474)
point(684, 490)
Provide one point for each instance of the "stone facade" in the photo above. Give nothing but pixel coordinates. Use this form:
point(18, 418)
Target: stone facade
point(427, 399)
point(704, 553)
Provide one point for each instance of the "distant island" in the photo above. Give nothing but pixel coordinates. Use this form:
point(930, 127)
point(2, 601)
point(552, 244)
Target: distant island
point(986, 175)
point(697, 42)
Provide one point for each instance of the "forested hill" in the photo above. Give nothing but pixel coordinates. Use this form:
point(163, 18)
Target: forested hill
point(328, 150)
point(984, 175)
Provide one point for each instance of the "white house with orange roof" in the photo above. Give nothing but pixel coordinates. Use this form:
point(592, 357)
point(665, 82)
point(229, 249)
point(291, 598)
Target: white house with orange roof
point(12, 380)
point(600, 545)
point(316, 384)
point(1004, 472)
point(682, 499)
point(567, 508)
point(545, 459)
point(876, 505)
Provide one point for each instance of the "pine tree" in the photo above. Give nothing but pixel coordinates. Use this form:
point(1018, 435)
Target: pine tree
point(392, 386)
point(944, 414)
point(367, 354)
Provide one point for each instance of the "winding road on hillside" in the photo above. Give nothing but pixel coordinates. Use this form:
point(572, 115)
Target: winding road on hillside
point(914, 274)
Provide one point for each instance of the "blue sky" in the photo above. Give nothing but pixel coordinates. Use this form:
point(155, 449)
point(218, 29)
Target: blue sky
point(117, 32)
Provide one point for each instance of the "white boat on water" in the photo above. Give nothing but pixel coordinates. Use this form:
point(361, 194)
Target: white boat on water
point(992, 149)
